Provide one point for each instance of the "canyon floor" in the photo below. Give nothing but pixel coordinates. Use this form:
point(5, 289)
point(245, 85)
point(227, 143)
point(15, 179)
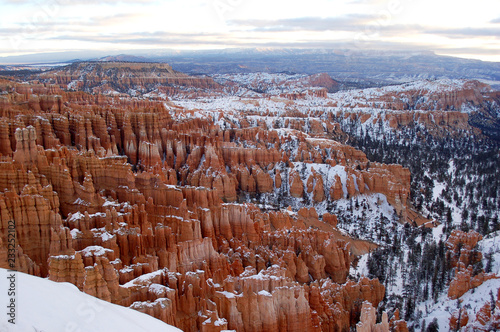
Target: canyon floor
point(255, 202)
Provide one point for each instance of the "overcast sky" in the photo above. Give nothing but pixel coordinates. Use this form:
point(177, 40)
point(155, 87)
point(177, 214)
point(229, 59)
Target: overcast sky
point(468, 29)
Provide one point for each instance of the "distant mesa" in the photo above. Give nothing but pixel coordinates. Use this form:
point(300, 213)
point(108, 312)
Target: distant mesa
point(124, 58)
point(122, 77)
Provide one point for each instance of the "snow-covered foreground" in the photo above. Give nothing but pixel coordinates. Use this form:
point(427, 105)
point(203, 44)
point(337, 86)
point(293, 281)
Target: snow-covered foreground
point(44, 305)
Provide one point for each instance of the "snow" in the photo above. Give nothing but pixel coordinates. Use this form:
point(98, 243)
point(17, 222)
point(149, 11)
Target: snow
point(361, 267)
point(158, 289)
point(111, 203)
point(75, 232)
point(437, 233)
point(438, 189)
point(220, 322)
point(144, 278)
point(227, 294)
point(222, 107)
point(95, 251)
point(423, 87)
point(491, 244)
point(63, 257)
point(44, 305)
point(105, 236)
point(80, 201)
point(473, 300)
point(329, 173)
point(363, 222)
point(76, 216)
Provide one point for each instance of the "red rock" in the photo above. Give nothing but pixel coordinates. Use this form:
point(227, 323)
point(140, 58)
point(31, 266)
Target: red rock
point(26, 148)
point(330, 219)
point(367, 322)
point(336, 191)
point(296, 185)
point(459, 319)
point(396, 324)
point(464, 281)
point(461, 246)
point(263, 180)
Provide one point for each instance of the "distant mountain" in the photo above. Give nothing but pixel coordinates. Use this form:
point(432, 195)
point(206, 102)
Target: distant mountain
point(124, 57)
point(355, 68)
point(373, 67)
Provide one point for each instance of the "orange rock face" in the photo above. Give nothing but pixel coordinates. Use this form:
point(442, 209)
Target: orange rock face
point(462, 254)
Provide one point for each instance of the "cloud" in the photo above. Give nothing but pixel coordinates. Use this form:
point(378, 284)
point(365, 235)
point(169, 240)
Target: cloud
point(344, 23)
point(163, 40)
point(115, 19)
point(369, 25)
point(49, 26)
point(79, 2)
point(148, 38)
point(496, 20)
point(467, 50)
point(166, 39)
point(466, 32)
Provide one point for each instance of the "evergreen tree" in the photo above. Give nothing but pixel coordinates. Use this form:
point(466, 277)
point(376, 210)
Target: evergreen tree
point(433, 326)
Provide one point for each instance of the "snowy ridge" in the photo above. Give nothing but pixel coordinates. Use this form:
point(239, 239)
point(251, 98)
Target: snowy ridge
point(424, 86)
point(269, 83)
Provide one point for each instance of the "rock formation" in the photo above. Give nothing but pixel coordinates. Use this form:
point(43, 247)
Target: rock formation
point(368, 319)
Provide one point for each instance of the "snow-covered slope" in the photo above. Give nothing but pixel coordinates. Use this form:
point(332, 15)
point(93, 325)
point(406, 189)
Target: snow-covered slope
point(473, 300)
point(43, 305)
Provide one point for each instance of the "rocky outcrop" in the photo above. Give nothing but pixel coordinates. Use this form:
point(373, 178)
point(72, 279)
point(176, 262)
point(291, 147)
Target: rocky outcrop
point(487, 318)
point(459, 319)
point(367, 322)
point(465, 280)
point(463, 255)
point(324, 80)
point(34, 215)
point(444, 107)
point(296, 185)
point(397, 324)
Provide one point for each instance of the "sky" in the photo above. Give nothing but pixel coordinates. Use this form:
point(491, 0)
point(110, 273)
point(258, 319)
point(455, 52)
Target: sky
point(468, 29)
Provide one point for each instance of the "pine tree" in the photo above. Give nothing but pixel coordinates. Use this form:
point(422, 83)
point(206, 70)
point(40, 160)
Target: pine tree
point(433, 326)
